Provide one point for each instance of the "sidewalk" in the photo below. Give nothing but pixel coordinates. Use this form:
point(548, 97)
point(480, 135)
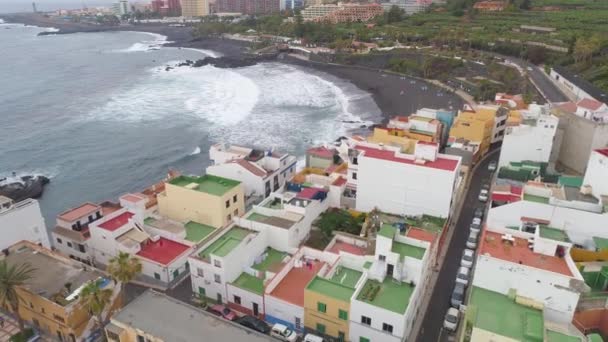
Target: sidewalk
point(9, 329)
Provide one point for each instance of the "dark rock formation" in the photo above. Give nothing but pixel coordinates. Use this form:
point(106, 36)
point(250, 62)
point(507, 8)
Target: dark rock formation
point(227, 62)
point(29, 187)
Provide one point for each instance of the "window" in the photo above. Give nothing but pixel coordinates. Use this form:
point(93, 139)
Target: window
point(175, 274)
point(140, 338)
point(298, 321)
point(366, 320)
point(363, 339)
point(90, 218)
point(236, 212)
point(217, 278)
point(42, 310)
point(59, 241)
point(156, 276)
point(199, 272)
point(382, 257)
point(112, 336)
point(387, 327)
point(343, 314)
point(237, 300)
point(321, 307)
point(217, 263)
point(355, 161)
point(321, 328)
point(31, 305)
point(341, 336)
point(81, 248)
point(229, 217)
point(354, 175)
point(201, 291)
point(58, 318)
point(69, 244)
point(228, 204)
point(234, 199)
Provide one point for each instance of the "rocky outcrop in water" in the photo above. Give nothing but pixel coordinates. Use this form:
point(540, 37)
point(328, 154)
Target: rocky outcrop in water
point(27, 187)
point(226, 62)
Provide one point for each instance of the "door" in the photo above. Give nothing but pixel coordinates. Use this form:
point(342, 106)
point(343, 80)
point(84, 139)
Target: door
point(389, 270)
point(256, 309)
point(219, 298)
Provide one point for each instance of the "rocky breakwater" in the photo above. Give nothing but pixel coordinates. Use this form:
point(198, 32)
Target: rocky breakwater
point(225, 62)
point(21, 188)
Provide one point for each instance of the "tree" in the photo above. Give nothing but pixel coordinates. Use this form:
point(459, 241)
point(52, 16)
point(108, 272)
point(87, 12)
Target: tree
point(11, 278)
point(95, 299)
point(123, 268)
point(394, 14)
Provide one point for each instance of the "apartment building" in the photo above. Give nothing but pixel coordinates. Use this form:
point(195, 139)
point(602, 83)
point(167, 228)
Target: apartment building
point(71, 232)
point(195, 8)
point(21, 221)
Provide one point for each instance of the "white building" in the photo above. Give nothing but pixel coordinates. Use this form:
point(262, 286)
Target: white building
point(71, 233)
point(318, 11)
point(121, 7)
point(575, 86)
point(21, 221)
point(531, 139)
point(262, 172)
point(402, 184)
point(596, 174)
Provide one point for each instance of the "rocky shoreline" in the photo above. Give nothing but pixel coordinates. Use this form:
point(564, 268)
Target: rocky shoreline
point(23, 188)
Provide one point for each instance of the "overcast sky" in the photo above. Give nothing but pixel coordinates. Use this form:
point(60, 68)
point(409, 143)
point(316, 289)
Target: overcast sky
point(11, 6)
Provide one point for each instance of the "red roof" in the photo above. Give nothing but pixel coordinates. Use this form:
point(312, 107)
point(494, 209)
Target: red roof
point(590, 104)
point(117, 222)
point(427, 143)
point(569, 107)
point(83, 210)
point(250, 167)
point(163, 251)
point(322, 152)
point(308, 193)
point(346, 247)
point(291, 287)
point(603, 151)
point(339, 181)
point(131, 198)
point(439, 163)
point(508, 198)
point(419, 234)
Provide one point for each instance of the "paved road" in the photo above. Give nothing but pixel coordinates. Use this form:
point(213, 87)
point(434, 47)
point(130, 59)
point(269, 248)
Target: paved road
point(440, 298)
point(550, 90)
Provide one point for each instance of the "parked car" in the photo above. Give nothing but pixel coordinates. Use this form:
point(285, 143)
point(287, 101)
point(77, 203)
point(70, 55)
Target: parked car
point(223, 310)
point(457, 295)
point(254, 323)
point(283, 333)
point(462, 276)
point(479, 213)
point(472, 241)
point(476, 225)
point(451, 319)
point(313, 338)
point(483, 195)
point(492, 166)
point(467, 258)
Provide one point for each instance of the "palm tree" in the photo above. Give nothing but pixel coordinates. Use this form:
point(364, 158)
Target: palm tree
point(95, 299)
point(123, 268)
point(12, 277)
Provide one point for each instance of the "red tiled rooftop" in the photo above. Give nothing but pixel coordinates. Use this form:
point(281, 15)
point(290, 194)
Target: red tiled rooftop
point(251, 168)
point(590, 104)
point(132, 198)
point(83, 210)
point(603, 151)
point(508, 198)
point(569, 107)
point(339, 181)
point(308, 193)
point(439, 163)
point(162, 251)
point(116, 222)
point(519, 253)
point(346, 247)
point(291, 287)
point(419, 234)
point(322, 152)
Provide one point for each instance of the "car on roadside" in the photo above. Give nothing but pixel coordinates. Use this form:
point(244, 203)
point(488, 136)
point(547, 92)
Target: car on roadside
point(468, 256)
point(472, 241)
point(223, 311)
point(451, 319)
point(254, 323)
point(476, 225)
point(457, 297)
point(283, 333)
point(479, 213)
point(492, 166)
point(483, 195)
point(463, 275)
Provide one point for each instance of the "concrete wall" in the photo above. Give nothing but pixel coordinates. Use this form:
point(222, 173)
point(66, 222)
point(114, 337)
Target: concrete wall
point(597, 170)
point(23, 222)
point(529, 142)
point(280, 311)
point(247, 300)
point(570, 89)
point(253, 185)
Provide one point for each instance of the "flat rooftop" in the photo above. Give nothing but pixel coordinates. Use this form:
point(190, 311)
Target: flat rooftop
point(213, 185)
point(83, 210)
point(389, 294)
point(51, 272)
point(163, 251)
point(440, 163)
point(291, 287)
point(180, 321)
point(518, 252)
point(272, 261)
point(250, 283)
point(226, 243)
point(405, 249)
point(196, 232)
point(553, 233)
point(346, 247)
point(555, 336)
point(341, 286)
point(117, 222)
point(491, 308)
point(271, 220)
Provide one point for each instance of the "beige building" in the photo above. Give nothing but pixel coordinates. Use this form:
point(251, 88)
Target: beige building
point(209, 200)
point(195, 8)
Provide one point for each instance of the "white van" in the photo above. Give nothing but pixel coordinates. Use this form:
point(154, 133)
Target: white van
point(283, 333)
point(313, 338)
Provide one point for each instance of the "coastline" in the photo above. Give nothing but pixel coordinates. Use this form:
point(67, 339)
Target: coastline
point(393, 94)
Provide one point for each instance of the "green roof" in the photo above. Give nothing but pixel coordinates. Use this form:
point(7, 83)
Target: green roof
point(330, 289)
point(553, 234)
point(346, 276)
point(213, 185)
point(250, 283)
point(405, 249)
point(367, 265)
point(196, 232)
point(595, 338)
point(538, 199)
point(571, 181)
point(388, 231)
point(489, 309)
point(390, 294)
point(149, 220)
point(554, 336)
point(600, 243)
point(273, 258)
point(226, 243)
point(257, 217)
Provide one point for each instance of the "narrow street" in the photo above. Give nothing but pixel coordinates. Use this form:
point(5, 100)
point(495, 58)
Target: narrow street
point(432, 324)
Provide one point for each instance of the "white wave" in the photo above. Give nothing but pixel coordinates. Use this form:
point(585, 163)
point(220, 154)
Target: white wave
point(10, 177)
point(196, 151)
point(209, 53)
point(51, 29)
point(146, 45)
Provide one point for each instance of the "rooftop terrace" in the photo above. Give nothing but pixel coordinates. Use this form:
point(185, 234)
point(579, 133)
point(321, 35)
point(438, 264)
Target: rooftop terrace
point(196, 232)
point(226, 243)
point(518, 252)
point(117, 222)
point(272, 262)
point(250, 283)
point(554, 336)
point(213, 185)
point(390, 294)
point(291, 288)
point(405, 249)
point(488, 310)
point(83, 210)
point(331, 288)
point(163, 251)
point(271, 220)
point(553, 234)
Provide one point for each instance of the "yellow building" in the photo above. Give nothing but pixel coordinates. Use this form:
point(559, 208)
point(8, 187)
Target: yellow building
point(209, 200)
point(327, 303)
point(49, 300)
point(393, 137)
point(195, 8)
point(474, 127)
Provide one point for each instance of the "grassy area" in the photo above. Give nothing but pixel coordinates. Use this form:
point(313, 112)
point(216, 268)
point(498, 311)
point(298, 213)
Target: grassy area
point(22, 337)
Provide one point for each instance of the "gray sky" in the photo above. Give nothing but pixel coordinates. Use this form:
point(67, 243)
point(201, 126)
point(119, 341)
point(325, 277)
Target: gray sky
point(10, 6)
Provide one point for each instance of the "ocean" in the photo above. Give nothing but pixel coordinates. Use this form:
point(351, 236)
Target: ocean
point(99, 114)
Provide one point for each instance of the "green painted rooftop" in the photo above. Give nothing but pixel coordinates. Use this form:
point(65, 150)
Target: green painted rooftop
point(554, 336)
point(388, 231)
point(257, 217)
point(390, 295)
point(489, 310)
point(405, 249)
point(149, 220)
point(226, 243)
point(340, 286)
point(272, 261)
point(538, 199)
point(595, 338)
point(571, 181)
point(367, 265)
point(346, 276)
point(212, 185)
point(553, 234)
point(600, 243)
point(196, 232)
point(250, 283)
